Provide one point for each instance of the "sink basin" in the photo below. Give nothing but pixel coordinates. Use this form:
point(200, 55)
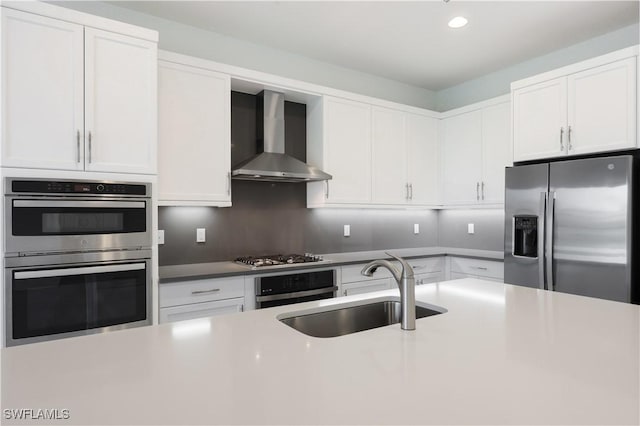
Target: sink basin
point(346, 319)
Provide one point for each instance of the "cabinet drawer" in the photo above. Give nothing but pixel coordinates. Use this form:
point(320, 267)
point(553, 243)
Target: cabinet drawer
point(201, 310)
point(477, 267)
point(352, 274)
point(430, 277)
point(426, 265)
point(197, 291)
point(366, 286)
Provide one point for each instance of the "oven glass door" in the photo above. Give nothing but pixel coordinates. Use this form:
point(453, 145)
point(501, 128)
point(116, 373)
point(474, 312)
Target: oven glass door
point(45, 302)
point(54, 217)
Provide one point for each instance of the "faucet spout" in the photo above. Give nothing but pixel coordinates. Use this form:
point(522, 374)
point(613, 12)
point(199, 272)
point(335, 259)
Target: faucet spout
point(406, 283)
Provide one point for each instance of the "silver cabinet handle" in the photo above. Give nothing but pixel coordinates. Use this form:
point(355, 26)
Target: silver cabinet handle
point(477, 191)
point(411, 191)
point(89, 156)
point(406, 191)
point(482, 268)
point(229, 183)
point(78, 146)
point(569, 138)
point(199, 292)
point(561, 138)
point(483, 190)
point(241, 308)
point(326, 192)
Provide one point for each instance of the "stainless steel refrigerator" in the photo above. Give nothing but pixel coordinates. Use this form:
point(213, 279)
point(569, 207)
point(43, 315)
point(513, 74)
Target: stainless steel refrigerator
point(569, 227)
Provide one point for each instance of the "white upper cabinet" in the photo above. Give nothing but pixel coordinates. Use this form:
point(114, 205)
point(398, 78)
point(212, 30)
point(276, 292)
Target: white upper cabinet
point(475, 148)
point(389, 157)
point(76, 97)
point(539, 119)
point(602, 108)
point(378, 156)
point(43, 100)
point(462, 154)
point(584, 108)
point(339, 143)
point(404, 158)
point(120, 103)
point(422, 159)
point(496, 151)
point(194, 140)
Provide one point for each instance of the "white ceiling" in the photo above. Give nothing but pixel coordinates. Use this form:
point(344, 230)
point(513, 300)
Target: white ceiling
point(405, 41)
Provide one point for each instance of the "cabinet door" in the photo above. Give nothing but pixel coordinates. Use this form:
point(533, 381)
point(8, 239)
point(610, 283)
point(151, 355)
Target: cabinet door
point(462, 153)
point(201, 310)
point(347, 151)
point(369, 286)
point(42, 92)
point(602, 108)
point(121, 103)
point(496, 151)
point(423, 163)
point(539, 120)
point(389, 157)
point(194, 140)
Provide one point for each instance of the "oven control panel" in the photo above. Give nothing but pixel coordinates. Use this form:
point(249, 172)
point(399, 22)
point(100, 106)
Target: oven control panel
point(29, 186)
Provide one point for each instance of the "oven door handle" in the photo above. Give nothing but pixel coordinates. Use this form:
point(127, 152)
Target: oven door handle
point(297, 294)
point(65, 272)
point(82, 204)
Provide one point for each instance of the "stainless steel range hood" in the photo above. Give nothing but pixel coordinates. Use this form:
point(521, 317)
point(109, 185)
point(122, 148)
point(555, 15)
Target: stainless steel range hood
point(273, 165)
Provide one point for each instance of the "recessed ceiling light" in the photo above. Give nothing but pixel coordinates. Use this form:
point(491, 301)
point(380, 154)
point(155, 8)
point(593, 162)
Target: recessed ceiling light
point(458, 22)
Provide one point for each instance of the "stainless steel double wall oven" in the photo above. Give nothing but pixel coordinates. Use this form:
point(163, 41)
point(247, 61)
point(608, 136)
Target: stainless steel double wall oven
point(77, 258)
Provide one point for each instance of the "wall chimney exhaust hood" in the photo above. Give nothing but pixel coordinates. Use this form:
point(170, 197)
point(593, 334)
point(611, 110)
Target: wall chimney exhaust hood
point(273, 165)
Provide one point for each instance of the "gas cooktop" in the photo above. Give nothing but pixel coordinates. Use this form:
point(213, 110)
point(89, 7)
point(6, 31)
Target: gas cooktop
point(279, 260)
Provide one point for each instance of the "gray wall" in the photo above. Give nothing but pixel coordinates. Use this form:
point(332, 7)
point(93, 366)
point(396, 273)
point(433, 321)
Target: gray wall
point(498, 83)
point(193, 41)
point(488, 224)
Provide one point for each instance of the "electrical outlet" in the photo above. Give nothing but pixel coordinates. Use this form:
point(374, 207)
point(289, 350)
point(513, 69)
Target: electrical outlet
point(347, 230)
point(160, 236)
point(416, 228)
point(470, 228)
point(201, 236)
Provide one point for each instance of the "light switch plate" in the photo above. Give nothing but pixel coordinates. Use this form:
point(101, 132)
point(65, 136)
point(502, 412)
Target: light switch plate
point(160, 236)
point(470, 228)
point(416, 228)
point(201, 236)
point(347, 230)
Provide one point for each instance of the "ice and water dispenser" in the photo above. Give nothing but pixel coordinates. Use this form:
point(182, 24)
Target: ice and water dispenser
point(525, 236)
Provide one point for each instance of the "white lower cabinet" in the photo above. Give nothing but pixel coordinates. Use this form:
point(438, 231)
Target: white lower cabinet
point(360, 287)
point(463, 267)
point(426, 270)
point(183, 300)
point(201, 310)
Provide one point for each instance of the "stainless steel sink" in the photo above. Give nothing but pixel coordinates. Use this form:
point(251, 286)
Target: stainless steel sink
point(340, 320)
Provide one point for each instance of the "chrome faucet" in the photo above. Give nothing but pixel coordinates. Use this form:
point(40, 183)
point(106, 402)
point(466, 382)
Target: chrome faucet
point(406, 283)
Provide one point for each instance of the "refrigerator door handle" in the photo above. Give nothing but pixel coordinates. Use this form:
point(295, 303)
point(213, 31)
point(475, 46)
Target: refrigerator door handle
point(542, 215)
point(551, 204)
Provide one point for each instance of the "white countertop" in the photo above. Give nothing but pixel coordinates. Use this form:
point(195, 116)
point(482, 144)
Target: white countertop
point(501, 355)
point(221, 269)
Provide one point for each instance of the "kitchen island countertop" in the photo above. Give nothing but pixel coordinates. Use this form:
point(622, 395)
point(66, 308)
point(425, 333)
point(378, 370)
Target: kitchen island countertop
point(502, 354)
point(171, 273)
